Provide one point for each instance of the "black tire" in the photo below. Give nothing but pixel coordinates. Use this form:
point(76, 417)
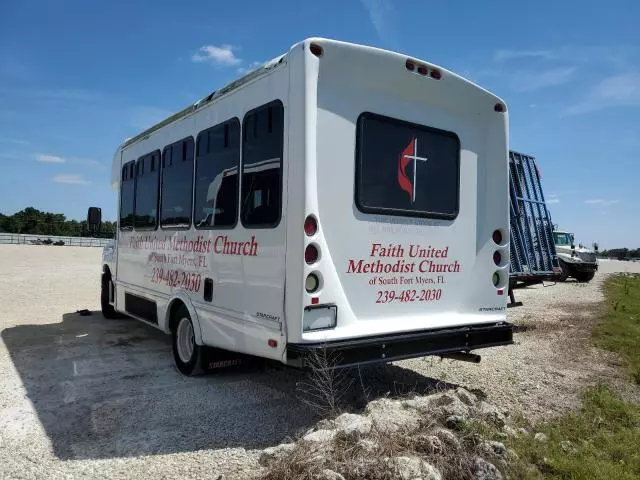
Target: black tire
point(565, 271)
point(107, 309)
point(192, 365)
point(584, 277)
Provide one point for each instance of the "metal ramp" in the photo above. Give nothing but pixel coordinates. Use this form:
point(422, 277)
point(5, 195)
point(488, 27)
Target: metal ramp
point(533, 253)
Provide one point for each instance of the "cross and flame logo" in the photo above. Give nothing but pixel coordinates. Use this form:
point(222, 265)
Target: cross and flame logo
point(409, 154)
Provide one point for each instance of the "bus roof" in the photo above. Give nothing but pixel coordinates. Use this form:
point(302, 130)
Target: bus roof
point(252, 75)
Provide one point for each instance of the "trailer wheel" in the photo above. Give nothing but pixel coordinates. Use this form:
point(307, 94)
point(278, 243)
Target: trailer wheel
point(584, 277)
point(107, 309)
point(186, 353)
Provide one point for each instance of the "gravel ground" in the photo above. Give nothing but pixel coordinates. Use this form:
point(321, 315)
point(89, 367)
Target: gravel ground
point(552, 360)
point(85, 398)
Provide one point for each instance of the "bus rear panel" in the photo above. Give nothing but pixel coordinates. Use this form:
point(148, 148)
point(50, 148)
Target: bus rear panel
point(406, 177)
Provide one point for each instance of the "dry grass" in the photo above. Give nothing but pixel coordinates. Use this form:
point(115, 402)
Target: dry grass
point(325, 386)
point(367, 458)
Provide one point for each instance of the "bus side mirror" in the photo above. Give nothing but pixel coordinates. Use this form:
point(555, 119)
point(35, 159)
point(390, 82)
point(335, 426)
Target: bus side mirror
point(94, 219)
point(595, 246)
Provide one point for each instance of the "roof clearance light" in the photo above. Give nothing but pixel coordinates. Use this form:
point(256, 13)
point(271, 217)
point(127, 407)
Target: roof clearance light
point(310, 254)
point(498, 107)
point(410, 65)
point(422, 70)
point(435, 74)
point(316, 49)
point(310, 226)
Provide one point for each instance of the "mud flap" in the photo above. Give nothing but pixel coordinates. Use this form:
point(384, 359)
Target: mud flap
point(216, 360)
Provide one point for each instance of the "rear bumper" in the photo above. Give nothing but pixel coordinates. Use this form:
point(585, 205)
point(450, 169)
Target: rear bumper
point(387, 348)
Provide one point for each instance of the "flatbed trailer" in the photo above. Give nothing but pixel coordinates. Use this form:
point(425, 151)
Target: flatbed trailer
point(533, 253)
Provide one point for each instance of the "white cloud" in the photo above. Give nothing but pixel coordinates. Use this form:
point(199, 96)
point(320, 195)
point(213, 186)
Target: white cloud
point(249, 68)
point(46, 158)
point(525, 81)
point(553, 198)
point(223, 55)
point(507, 54)
point(13, 141)
point(601, 202)
point(614, 91)
point(380, 14)
point(621, 56)
point(70, 179)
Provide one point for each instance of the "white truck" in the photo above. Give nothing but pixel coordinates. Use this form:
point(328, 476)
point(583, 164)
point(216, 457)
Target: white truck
point(340, 198)
point(578, 262)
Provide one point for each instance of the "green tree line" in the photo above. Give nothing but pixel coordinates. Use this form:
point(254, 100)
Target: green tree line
point(35, 222)
point(621, 253)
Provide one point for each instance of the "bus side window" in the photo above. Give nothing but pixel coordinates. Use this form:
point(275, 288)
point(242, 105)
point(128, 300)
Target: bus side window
point(177, 184)
point(146, 191)
point(262, 150)
point(127, 196)
point(217, 161)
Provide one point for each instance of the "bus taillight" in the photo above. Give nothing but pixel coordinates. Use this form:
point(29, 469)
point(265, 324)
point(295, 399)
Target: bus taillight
point(310, 226)
point(311, 254)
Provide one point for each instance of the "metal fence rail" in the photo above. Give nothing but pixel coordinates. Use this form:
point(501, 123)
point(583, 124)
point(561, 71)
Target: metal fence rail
point(24, 239)
point(533, 252)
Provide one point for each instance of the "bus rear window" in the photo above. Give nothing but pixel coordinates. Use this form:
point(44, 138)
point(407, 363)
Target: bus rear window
point(406, 169)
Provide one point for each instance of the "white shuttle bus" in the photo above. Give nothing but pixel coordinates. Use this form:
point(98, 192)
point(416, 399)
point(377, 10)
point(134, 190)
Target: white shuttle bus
point(340, 197)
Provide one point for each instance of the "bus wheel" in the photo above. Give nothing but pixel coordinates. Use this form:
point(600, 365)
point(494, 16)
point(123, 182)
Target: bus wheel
point(186, 353)
point(107, 309)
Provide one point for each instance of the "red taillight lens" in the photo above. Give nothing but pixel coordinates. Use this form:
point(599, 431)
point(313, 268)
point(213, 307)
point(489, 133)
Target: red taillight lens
point(310, 254)
point(422, 70)
point(497, 237)
point(316, 49)
point(410, 65)
point(497, 258)
point(310, 226)
point(435, 74)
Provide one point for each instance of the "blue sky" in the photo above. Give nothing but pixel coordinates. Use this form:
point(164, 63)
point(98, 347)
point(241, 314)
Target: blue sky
point(77, 77)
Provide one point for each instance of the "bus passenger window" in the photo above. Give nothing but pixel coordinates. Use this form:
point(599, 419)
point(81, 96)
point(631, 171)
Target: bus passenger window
point(127, 192)
point(147, 183)
point(177, 184)
point(217, 160)
point(262, 149)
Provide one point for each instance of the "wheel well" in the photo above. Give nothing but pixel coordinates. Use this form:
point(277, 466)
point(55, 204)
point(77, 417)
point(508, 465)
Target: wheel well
point(173, 308)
